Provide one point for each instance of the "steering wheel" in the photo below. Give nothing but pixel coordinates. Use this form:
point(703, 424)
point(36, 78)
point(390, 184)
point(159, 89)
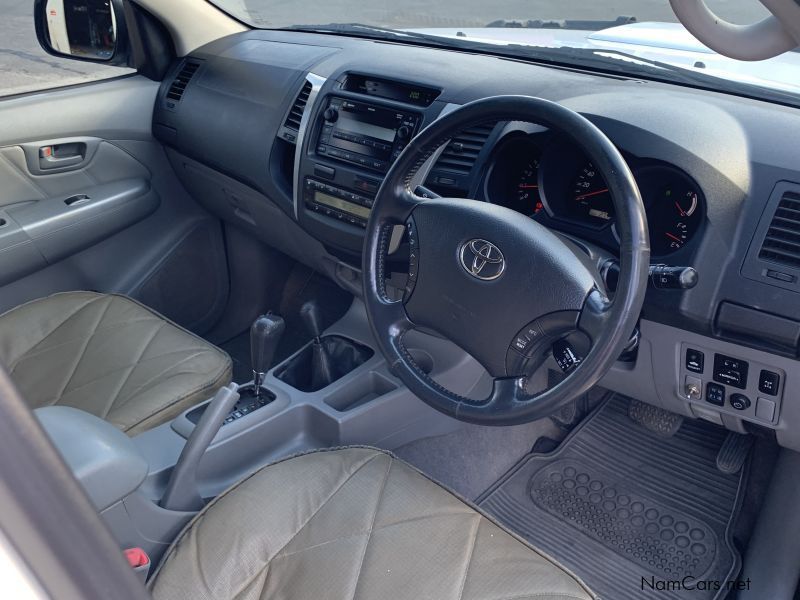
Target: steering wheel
point(483, 275)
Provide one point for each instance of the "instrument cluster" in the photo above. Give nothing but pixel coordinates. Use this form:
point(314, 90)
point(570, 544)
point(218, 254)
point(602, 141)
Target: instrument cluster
point(551, 180)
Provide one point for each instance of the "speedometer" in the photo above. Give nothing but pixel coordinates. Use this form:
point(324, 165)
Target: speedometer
point(591, 201)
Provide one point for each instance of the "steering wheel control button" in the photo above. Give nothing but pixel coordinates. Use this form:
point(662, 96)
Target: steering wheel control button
point(715, 394)
point(521, 344)
point(694, 360)
point(765, 409)
point(482, 259)
point(565, 356)
point(730, 371)
point(413, 259)
point(739, 401)
point(768, 383)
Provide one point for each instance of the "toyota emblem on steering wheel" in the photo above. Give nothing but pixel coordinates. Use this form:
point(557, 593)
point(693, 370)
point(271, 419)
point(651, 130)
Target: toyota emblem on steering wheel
point(482, 259)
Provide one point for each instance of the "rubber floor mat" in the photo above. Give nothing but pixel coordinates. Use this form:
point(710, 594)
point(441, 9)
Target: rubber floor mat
point(632, 513)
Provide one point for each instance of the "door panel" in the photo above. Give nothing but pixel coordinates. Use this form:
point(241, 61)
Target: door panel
point(88, 200)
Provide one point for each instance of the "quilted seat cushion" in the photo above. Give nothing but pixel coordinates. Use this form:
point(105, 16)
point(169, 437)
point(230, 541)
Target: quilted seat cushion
point(110, 356)
point(352, 523)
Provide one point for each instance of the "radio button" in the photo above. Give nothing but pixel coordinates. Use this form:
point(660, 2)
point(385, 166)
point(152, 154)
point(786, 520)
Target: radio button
point(323, 171)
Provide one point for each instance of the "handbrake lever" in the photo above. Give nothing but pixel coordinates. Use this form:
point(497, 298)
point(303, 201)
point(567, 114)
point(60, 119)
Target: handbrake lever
point(182, 492)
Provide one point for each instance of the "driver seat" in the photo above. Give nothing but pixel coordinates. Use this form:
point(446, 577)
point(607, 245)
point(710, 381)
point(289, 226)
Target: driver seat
point(352, 523)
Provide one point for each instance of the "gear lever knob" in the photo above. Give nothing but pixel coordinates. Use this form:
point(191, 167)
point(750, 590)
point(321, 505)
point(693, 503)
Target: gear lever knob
point(265, 334)
point(312, 318)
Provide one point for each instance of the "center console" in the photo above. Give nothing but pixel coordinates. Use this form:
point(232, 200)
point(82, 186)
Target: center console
point(356, 129)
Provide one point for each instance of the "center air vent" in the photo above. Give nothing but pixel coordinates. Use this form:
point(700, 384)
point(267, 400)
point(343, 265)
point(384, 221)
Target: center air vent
point(296, 113)
point(782, 241)
point(178, 87)
point(461, 153)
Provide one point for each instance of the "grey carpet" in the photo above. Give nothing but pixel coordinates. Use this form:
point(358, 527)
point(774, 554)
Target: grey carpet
point(620, 505)
point(470, 459)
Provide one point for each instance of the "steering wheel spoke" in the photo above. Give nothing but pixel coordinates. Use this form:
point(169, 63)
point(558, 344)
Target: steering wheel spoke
point(401, 203)
point(595, 316)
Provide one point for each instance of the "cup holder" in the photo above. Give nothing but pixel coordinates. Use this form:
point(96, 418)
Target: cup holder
point(359, 392)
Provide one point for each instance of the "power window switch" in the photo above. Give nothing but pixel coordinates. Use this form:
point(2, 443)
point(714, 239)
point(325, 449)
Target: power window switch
point(765, 409)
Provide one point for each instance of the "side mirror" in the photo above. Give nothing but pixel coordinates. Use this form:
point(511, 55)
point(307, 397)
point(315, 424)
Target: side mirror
point(90, 30)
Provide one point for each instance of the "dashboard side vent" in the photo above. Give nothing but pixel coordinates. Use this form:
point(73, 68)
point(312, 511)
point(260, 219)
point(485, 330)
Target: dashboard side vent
point(461, 153)
point(782, 241)
point(296, 112)
point(178, 86)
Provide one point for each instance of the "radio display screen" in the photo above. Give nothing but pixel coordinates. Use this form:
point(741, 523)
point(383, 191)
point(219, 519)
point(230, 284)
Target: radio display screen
point(343, 205)
point(350, 123)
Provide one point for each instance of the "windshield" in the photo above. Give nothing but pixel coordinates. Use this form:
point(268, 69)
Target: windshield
point(639, 37)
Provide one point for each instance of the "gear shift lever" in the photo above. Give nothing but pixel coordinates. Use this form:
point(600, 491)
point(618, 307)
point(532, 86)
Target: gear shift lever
point(321, 371)
point(265, 334)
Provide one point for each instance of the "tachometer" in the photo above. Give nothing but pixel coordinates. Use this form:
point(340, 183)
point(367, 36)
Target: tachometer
point(591, 201)
point(674, 208)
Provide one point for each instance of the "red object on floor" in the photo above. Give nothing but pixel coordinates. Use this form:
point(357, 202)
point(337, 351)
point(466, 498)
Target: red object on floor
point(137, 557)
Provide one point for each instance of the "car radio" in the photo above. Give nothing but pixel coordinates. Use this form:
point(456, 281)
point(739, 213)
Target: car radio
point(346, 206)
point(365, 134)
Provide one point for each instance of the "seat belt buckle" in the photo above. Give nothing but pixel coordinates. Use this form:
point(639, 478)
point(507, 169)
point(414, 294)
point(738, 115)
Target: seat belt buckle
point(139, 562)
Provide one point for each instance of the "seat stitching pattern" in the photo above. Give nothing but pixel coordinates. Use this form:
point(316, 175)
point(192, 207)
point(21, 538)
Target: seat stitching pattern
point(376, 530)
point(322, 505)
point(372, 525)
point(223, 376)
point(69, 317)
point(31, 354)
point(158, 378)
point(121, 386)
point(473, 543)
point(113, 371)
point(80, 354)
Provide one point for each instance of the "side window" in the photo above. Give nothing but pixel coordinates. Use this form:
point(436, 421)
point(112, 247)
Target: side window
point(26, 67)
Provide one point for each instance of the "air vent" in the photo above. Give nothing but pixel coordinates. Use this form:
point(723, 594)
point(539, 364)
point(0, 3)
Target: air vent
point(296, 113)
point(461, 153)
point(178, 87)
point(782, 241)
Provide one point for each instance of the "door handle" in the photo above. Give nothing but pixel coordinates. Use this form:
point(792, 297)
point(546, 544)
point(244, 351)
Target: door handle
point(60, 156)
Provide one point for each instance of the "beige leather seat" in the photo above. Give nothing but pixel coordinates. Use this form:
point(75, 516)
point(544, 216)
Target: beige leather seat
point(352, 523)
point(110, 356)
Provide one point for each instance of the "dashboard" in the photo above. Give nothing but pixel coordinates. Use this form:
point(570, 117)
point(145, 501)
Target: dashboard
point(546, 177)
point(305, 126)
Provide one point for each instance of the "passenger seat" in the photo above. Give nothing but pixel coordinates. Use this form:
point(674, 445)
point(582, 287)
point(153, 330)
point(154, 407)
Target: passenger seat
point(110, 356)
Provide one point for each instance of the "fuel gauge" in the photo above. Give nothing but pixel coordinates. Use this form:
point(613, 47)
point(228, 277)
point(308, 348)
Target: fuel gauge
point(674, 208)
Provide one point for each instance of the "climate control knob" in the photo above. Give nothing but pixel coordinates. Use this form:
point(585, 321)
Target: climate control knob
point(331, 115)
